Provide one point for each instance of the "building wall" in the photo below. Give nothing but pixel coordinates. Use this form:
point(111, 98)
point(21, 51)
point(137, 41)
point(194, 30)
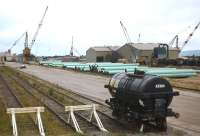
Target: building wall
point(132, 54)
point(173, 54)
point(2, 59)
point(105, 54)
point(129, 53)
point(145, 56)
point(7, 56)
point(91, 55)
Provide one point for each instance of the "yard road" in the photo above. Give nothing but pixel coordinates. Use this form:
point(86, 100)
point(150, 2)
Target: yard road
point(187, 104)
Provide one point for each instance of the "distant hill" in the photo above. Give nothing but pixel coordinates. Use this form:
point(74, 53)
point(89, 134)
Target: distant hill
point(190, 53)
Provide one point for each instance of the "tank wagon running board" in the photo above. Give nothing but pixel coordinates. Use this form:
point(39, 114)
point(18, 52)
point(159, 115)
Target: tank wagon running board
point(154, 95)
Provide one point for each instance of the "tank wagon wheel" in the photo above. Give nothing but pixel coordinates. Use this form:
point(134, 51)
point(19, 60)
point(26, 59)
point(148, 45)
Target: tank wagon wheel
point(139, 126)
point(142, 126)
point(161, 123)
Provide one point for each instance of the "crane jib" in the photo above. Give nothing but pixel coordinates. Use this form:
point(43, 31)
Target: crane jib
point(39, 26)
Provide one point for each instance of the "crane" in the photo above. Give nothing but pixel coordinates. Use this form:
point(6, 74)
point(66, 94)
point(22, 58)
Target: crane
point(176, 38)
point(125, 32)
point(39, 26)
point(190, 35)
point(13, 45)
point(26, 40)
point(71, 50)
point(173, 40)
point(27, 48)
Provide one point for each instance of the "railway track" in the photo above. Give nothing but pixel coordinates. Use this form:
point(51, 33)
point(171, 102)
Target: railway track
point(58, 109)
point(104, 111)
point(11, 100)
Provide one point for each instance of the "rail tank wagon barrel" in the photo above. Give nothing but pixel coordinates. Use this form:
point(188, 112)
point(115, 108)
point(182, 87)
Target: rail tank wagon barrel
point(143, 99)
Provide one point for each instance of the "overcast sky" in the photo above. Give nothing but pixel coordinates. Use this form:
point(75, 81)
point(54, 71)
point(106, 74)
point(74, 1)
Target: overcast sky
point(96, 23)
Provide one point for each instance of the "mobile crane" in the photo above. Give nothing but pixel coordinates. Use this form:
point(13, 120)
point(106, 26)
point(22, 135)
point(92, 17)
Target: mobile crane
point(177, 61)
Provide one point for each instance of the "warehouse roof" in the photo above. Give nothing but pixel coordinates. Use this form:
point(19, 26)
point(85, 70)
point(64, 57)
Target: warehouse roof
point(4, 54)
point(105, 48)
point(147, 46)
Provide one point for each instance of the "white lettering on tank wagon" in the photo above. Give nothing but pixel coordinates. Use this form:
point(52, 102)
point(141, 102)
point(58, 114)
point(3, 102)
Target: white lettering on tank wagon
point(159, 85)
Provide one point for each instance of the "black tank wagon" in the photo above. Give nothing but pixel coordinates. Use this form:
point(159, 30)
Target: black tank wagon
point(141, 98)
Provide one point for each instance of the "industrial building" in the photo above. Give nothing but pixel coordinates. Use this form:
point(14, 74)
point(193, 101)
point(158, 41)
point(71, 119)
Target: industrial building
point(7, 56)
point(132, 52)
point(137, 52)
point(20, 58)
point(102, 54)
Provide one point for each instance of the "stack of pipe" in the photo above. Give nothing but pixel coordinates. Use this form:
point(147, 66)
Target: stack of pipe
point(113, 68)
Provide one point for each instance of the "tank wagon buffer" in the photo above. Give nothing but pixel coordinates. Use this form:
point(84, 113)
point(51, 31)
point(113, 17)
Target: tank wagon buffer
point(141, 99)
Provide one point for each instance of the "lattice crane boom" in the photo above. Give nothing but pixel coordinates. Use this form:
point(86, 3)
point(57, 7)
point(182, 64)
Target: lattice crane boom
point(173, 40)
point(190, 35)
point(39, 26)
point(176, 38)
point(26, 40)
point(13, 45)
point(125, 32)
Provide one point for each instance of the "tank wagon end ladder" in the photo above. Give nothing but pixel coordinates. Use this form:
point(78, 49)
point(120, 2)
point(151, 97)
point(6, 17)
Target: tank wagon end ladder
point(37, 110)
point(91, 107)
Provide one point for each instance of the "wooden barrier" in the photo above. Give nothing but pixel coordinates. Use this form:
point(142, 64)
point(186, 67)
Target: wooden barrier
point(14, 111)
point(93, 113)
